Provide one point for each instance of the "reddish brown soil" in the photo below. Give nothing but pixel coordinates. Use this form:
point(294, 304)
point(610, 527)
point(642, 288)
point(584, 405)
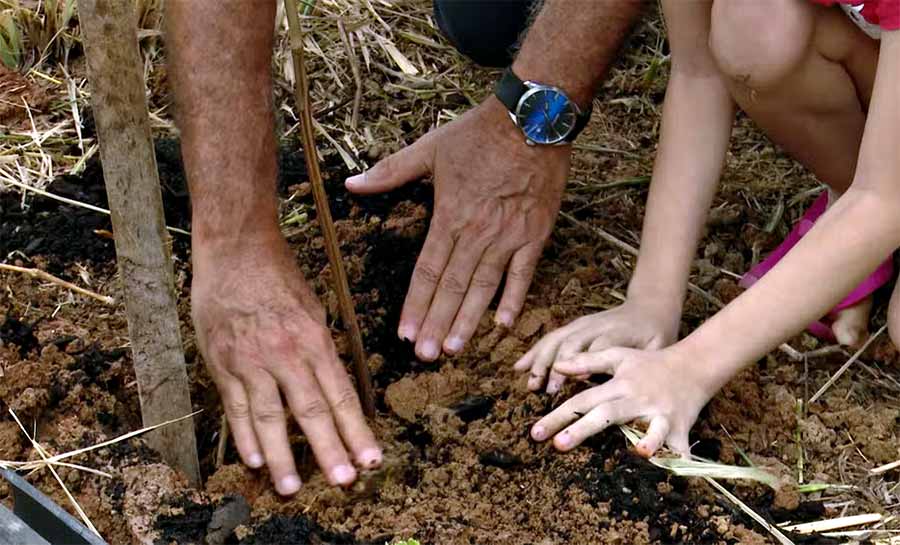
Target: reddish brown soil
point(460, 467)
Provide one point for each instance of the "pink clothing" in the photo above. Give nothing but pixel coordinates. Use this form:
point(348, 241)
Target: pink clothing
point(885, 13)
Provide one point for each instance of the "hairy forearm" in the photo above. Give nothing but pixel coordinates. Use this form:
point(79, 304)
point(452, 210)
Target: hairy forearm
point(219, 61)
point(697, 120)
point(571, 44)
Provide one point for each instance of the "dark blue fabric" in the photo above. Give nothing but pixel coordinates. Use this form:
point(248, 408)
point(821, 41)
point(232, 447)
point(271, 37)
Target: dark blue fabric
point(483, 30)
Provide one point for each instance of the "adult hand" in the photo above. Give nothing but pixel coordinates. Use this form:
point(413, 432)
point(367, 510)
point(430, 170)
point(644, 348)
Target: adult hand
point(634, 324)
point(261, 330)
point(496, 200)
point(661, 387)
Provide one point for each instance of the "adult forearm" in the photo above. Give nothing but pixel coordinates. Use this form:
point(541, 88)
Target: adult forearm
point(697, 118)
point(571, 44)
point(219, 60)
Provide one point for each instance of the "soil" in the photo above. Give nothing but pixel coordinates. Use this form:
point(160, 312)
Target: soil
point(460, 467)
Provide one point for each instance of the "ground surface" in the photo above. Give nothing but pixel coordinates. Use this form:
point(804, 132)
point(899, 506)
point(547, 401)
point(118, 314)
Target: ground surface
point(460, 467)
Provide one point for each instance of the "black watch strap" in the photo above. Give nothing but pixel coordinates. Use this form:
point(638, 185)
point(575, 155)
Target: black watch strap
point(510, 89)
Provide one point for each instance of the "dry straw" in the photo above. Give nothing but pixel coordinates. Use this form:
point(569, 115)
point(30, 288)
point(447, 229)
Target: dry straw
point(50, 462)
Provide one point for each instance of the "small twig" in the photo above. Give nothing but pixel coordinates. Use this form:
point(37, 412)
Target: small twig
point(224, 432)
point(37, 273)
point(776, 533)
point(73, 202)
point(354, 69)
point(332, 245)
point(846, 366)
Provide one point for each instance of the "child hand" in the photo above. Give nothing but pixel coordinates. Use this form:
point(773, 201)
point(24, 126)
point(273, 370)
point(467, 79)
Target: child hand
point(632, 325)
point(660, 387)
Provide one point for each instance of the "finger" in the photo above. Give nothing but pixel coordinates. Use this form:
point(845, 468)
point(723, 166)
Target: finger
point(578, 341)
point(451, 289)
point(555, 382)
point(548, 344)
point(347, 411)
point(574, 408)
point(313, 413)
point(518, 280)
point(655, 437)
point(429, 267)
point(602, 343)
point(411, 163)
point(482, 288)
point(237, 411)
point(595, 421)
point(679, 442)
point(574, 344)
point(541, 365)
point(592, 363)
point(271, 430)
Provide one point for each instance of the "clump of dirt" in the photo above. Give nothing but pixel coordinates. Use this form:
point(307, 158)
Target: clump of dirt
point(16, 91)
point(18, 333)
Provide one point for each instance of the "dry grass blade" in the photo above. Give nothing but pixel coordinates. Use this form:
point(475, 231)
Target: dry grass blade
point(834, 524)
point(710, 471)
point(118, 439)
point(846, 366)
point(37, 273)
point(49, 462)
point(43, 454)
point(885, 468)
point(776, 533)
point(703, 468)
point(41, 192)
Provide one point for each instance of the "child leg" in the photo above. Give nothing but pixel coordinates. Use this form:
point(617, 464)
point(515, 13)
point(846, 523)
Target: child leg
point(805, 74)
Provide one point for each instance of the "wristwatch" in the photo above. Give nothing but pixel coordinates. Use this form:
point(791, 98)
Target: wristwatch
point(545, 114)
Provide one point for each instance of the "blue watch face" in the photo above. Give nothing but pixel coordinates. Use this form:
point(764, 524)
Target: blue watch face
point(546, 115)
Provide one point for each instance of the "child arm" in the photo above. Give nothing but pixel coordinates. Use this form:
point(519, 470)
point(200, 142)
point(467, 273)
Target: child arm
point(669, 387)
point(697, 118)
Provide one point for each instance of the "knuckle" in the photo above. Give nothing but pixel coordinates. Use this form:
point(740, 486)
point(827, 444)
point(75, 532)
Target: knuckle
point(269, 415)
point(452, 283)
point(426, 273)
point(485, 281)
point(346, 400)
point(237, 410)
point(312, 409)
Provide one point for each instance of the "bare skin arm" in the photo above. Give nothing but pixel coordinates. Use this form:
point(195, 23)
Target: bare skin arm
point(259, 326)
point(697, 120)
point(669, 387)
point(496, 198)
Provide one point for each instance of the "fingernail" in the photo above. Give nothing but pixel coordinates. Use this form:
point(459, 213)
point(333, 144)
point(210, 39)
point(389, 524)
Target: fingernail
point(534, 383)
point(407, 333)
point(255, 460)
point(538, 433)
point(552, 387)
point(429, 350)
point(343, 475)
point(356, 180)
point(563, 440)
point(289, 484)
point(504, 318)
point(370, 458)
point(454, 345)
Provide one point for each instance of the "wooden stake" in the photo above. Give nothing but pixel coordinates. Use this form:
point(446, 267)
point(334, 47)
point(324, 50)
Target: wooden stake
point(332, 246)
point(115, 72)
